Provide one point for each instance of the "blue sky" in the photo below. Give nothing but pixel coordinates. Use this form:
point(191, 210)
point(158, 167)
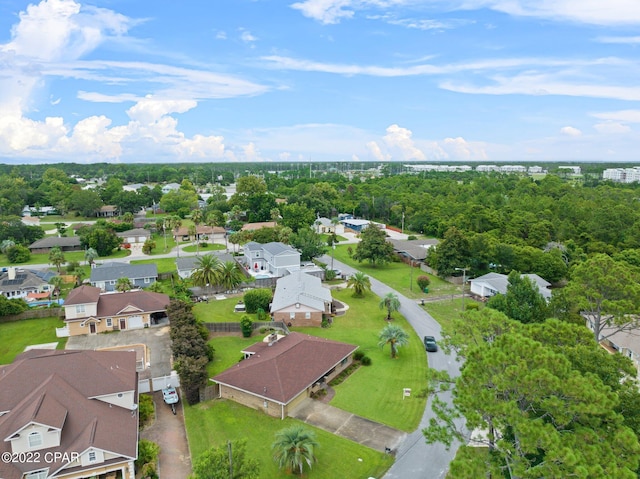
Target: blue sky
point(321, 80)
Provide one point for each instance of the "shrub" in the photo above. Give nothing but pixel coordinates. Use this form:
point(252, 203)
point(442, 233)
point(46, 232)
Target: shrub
point(261, 314)
point(149, 471)
point(145, 408)
point(256, 299)
point(471, 307)
point(18, 254)
point(366, 361)
point(329, 274)
point(246, 325)
point(412, 237)
point(423, 281)
point(147, 452)
point(326, 323)
point(358, 355)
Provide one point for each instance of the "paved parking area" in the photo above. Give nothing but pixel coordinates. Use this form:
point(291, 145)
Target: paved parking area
point(156, 339)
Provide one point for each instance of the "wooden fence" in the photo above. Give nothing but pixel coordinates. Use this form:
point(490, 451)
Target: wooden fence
point(235, 327)
point(33, 314)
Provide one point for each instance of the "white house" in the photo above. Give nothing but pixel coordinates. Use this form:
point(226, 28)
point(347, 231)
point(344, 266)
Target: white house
point(491, 284)
point(273, 259)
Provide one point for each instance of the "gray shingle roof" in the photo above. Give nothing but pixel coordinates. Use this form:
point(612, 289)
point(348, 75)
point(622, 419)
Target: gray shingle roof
point(113, 271)
point(51, 241)
point(299, 287)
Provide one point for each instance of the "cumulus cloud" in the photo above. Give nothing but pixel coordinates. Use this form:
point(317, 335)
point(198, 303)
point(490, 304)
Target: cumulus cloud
point(376, 152)
point(398, 141)
point(570, 131)
point(149, 109)
point(325, 11)
point(626, 116)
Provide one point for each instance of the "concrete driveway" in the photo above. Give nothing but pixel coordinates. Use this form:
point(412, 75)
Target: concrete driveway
point(156, 339)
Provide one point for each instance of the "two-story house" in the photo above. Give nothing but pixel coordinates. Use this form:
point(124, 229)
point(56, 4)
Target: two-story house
point(271, 259)
point(105, 276)
point(88, 311)
point(69, 414)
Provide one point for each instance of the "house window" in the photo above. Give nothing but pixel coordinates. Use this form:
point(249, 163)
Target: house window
point(42, 474)
point(147, 280)
point(307, 315)
point(34, 439)
point(92, 456)
point(292, 315)
point(112, 282)
point(109, 322)
point(80, 308)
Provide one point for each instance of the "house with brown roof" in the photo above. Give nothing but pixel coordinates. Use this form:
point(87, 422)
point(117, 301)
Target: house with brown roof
point(88, 311)
point(107, 211)
point(202, 233)
point(70, 414)
point(278, 373)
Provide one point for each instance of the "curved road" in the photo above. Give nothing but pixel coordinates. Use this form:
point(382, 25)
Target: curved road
point(415, 458)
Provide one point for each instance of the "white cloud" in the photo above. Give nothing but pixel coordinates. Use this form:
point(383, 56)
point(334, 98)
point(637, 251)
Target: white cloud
point(398, 141)
point(376, 152)
point(611, 128)
point(459, 149)
point(619, 40)
point(626, 116)
point(149, 109)
point(325, 11)
point(247, 37)
point(570, 131)
point(251, 153)
point(210, 147)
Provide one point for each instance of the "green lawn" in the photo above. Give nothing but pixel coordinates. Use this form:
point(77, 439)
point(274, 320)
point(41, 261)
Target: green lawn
point(78, 256)
point(219, 311)
point(214, 422)
point(17, 335)
point(445, 310)
point(397, 275)
point(203, 249)
point(165, 265)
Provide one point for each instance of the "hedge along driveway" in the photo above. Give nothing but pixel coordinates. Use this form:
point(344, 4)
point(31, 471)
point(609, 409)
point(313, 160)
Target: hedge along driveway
point(376, 392)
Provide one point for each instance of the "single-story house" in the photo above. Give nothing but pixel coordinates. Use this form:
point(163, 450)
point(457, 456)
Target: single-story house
point(72, 414)
point(203, 232)
point(301, 300)
point(107, 211)
point(491, 284)
point(274, 259)
point(281, 371)
point(257, 226)
point(357, 225)
point(89, 311)
point(412, 250)
point(132, 187)
point(65, 243)
point(325, 225)
point(136, 235)
point(170, 187)
point(105, 276)
point(186, 264)
point(19, 283)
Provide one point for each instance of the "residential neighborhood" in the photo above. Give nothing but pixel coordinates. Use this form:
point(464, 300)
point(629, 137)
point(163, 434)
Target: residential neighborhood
point(310, 317)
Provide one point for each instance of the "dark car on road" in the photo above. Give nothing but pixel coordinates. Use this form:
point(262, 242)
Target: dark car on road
point(430, 344)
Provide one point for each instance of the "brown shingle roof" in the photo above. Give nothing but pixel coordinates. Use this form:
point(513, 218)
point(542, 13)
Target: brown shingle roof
point(55, 388)
point(282, 371)
point(146, 301)
point(83, 295)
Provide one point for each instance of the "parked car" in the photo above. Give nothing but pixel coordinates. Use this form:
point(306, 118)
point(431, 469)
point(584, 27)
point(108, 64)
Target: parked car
point(430, 344)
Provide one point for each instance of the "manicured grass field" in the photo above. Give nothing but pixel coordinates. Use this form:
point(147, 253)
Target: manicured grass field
point(397, 275)
point(17, 335)
point(219, 311)
point(78, 256)
point(212, 423)
point(204, 249)
point(165, 265)
point(447, 309)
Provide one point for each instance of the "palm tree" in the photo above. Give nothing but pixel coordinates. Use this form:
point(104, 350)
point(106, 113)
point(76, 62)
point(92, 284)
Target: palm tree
point(229, 275)
point(360, 283)
point(394, 336)
point(391, 303)
point(293, 447)
point(90, 256)
point(207, 271)
point(56, 257)
point(57, 283)
point(80, 275)
point(5, 245)
point(123, 284)
point(128, 217)
point(197, 217)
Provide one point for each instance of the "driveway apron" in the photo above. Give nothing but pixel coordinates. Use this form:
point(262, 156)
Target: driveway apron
point(355, 428)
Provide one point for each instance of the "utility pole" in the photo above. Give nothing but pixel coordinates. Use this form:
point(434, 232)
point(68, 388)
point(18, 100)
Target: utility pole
point(464, 280)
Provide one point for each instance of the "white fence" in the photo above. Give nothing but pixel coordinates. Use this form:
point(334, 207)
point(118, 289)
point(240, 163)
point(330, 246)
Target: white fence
point(156, 384)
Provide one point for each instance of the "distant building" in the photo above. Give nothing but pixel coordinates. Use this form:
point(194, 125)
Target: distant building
point(491, 284)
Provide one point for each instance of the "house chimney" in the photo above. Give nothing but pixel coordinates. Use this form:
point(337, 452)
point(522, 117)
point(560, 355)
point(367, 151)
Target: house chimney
point(12, 272)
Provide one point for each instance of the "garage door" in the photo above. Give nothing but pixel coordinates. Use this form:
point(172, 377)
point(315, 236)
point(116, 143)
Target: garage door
point(132, 239)
point(135, 322)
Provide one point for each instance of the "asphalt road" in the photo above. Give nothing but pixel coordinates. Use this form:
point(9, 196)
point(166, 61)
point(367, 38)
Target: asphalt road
point(415, 458)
